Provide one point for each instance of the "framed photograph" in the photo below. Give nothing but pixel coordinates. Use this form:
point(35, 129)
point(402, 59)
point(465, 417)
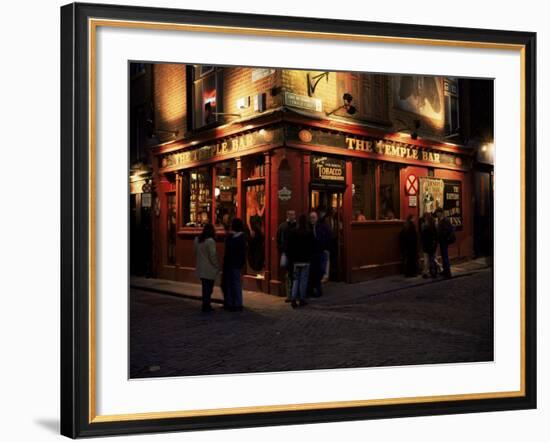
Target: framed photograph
point(274, 220)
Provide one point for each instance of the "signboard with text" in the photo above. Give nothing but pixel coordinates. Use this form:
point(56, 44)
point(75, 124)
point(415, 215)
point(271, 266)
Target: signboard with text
point(327, 170)
point(452, 202)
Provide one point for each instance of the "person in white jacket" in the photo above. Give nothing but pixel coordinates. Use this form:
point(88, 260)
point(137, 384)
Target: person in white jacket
point(207, 267)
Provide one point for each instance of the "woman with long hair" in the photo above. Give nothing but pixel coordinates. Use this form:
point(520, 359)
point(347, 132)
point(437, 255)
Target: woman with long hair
point(207, 268)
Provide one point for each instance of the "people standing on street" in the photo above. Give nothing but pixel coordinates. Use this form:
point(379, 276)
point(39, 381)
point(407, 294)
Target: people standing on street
point(300, 253)
point(207, 267)
point(445, 237)
point(408, 240)
point(233, 263)
point(428, 242)
point(322, 235)
point(283, 232)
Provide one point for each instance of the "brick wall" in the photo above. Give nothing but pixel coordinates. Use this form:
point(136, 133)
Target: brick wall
point(373, 97)
point(170, 100)
point(237, 83)
point(326, 90)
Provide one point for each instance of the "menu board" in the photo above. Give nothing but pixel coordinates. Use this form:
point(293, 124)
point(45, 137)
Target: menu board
point(452, 202)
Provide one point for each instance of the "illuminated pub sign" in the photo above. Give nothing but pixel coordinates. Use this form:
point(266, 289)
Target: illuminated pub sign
point(327, 170)
point(389, 149)
point(223, 148)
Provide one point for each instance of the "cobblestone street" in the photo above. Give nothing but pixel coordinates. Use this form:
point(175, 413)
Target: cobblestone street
point(443, 321)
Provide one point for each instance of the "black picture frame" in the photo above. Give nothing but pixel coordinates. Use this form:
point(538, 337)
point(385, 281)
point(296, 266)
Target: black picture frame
point(76, 418)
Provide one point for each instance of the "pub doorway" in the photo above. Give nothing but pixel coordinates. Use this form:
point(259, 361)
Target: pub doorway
point(328, 202)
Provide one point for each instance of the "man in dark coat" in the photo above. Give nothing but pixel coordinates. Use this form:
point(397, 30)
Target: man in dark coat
point(408, 240)
point(445, 237)
point(428, 242)
point(283, 233)
point(300, 252)
point(321, 232)
point(233, 262)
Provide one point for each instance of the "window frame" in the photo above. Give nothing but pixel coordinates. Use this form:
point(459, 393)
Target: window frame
point(194, 79)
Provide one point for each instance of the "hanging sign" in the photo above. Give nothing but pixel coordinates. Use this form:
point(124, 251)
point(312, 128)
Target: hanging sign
point(328, 170)
point(284, 194)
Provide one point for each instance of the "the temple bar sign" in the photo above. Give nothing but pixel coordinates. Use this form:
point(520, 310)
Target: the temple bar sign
point(399, 150)
point(222, 148)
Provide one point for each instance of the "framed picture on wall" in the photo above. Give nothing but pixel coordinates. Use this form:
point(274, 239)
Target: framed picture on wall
point(276, 220)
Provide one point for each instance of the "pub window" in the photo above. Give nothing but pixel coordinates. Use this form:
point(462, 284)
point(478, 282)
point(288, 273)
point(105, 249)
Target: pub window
point(389, 191)
point(363, 190)
point(254, 209)
point(374, 100)
point(225, 193)
point(197, 197)
point(171, 228)
point(451, 91)
point(206, 96)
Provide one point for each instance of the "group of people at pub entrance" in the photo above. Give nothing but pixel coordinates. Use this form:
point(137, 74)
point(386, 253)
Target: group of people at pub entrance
point(435, 230)
point(304, 243)
point(304, 246)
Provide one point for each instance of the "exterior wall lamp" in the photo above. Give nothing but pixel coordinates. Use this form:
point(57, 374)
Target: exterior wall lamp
point(350, 108)
point(413, 131)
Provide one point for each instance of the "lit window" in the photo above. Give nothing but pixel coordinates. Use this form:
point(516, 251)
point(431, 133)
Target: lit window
point(197, 197)
point(452, 121)
point(207, 104)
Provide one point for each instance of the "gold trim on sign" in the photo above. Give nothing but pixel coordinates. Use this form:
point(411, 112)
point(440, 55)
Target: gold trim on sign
point(92, 25)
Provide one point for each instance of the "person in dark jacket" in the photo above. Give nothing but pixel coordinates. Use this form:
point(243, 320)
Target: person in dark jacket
point(283, 232)
point(408, 240)
point(445, 237)
point(428, 242)
point(321, 247)
point(300, 251)
point(233, 262)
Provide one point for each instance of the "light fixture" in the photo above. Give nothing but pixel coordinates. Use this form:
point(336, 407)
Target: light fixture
point(406, 128)
point(347, 99)
point(217, 192)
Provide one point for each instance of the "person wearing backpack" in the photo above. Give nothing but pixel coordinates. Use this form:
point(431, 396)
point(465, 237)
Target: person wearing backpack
point(445, 237)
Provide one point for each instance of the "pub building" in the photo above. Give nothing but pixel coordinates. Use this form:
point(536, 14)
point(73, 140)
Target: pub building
point(367, 150)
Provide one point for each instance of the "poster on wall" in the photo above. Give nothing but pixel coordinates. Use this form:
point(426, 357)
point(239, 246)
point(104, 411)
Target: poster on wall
point(446, 194)
point(431, 194)
point(452, 202)
point(420, 94)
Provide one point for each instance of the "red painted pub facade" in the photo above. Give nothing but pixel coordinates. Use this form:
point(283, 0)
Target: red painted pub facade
point(366, 149)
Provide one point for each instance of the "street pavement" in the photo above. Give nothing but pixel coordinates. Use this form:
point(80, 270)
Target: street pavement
point(390, 321)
